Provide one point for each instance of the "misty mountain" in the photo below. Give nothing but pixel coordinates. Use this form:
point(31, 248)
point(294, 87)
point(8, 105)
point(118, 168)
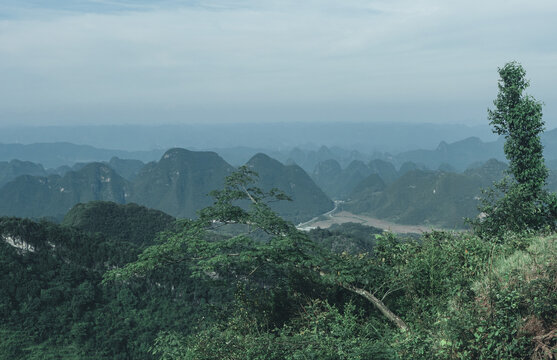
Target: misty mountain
point(338, 183)
point(127, 168)
point(370, 185)
point(14, 168)
point(308, 200)
point(409, 166)
point(53, 195)
point(489, 171)
point(180, 182)
point(52, 155)
point(427, 197)
point(386, 170)
point(308, 159)
point(459, 154)
point(365, 137)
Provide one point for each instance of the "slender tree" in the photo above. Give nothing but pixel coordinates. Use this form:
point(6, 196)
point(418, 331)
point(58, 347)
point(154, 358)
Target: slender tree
point(519, 118)
point(524, 204)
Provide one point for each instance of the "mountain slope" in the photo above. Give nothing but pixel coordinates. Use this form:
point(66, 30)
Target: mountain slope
point(53, 196)
point(130, 222)
point(127, 168)
point(11, 170)
point(308, 200)
point(180, 182)
point(427, 197)
point(54, 306)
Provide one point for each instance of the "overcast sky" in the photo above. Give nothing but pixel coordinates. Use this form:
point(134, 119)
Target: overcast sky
point(146, 62)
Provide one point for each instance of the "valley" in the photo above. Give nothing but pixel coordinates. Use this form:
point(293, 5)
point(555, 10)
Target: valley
point(325, 221)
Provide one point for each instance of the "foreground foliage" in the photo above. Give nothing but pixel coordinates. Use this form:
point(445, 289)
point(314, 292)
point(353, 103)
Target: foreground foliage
point(443, 296)
point(214, 297)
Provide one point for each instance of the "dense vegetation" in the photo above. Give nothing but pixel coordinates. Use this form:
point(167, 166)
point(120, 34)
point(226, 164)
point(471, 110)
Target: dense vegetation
point(524, 202)
point(121, 223)
point(240, 282)
point(452, 296)
point(52, 302)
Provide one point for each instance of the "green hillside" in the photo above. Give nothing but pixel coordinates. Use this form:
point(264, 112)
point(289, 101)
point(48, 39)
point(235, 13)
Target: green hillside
point(459, 154)
point(130, 222)
point(53, 305)
point(368, 186)
point(293, 295)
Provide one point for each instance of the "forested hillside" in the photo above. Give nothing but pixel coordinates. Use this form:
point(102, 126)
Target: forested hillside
point(54, 306)
point(120, 223)
point(334, 295)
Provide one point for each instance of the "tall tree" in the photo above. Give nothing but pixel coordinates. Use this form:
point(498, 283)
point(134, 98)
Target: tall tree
point(519, 118)
point(525, 203)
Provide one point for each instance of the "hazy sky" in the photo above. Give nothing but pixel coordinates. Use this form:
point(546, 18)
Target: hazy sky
point(89, 61)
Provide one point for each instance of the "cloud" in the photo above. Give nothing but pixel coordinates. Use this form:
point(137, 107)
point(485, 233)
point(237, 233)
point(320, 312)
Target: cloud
point(182, 55)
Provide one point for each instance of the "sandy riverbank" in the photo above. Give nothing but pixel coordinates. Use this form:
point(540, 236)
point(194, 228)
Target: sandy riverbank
point(345, 216)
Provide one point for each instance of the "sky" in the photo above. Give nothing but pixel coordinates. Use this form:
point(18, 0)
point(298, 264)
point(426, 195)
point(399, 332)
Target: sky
point(167, 62)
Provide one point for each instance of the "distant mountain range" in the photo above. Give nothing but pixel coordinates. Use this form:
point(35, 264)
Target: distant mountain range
point(46, 180)
point(365, 137)
point(54, 195)
point(427, 145)
point(177, 184)
point(14, 168)
point(459, 155)
point(53, 155)
point(339, 183)
point(464, 153)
